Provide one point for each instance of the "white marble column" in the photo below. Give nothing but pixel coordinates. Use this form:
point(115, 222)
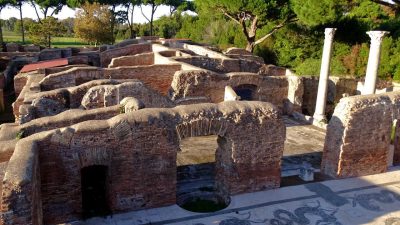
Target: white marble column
point(319, 114)
point(373, 61)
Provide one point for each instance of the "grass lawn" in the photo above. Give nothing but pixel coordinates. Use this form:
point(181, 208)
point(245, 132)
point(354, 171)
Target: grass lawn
point(60, 42)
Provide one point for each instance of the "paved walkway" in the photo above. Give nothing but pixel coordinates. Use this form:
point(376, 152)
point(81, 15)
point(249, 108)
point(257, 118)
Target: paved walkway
point(365, 200)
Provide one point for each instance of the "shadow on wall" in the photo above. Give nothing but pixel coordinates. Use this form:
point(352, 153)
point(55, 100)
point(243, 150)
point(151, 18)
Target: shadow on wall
point(246, 91)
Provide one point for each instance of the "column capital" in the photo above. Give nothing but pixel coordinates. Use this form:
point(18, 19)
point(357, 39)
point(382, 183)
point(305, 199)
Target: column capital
point(329, 33)
point(377, 36)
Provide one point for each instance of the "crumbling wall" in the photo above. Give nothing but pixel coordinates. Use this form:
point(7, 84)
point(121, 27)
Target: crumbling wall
point(337, 87)
point(21, 189)
point(158, 77)
point(108, 55)
point(139, 146)
point(71, 78)
point(358, 137)
point(49, 103)
point(211, 85)
point(133, 60)
point(295, 94)
point(109, 95)
point(221, 65)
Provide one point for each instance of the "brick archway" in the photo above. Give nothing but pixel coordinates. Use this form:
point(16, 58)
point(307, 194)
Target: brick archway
point(201, 127)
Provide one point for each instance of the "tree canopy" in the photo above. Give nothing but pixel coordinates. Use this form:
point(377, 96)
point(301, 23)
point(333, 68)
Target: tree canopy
point(92, 24)
point(251, 15)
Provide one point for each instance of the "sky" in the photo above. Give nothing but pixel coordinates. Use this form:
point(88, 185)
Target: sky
point(28, 11)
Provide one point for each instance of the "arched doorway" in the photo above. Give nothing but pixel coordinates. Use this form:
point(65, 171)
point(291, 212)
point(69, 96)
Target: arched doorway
point(196, 185)
point(246, 91)
point(94, 191)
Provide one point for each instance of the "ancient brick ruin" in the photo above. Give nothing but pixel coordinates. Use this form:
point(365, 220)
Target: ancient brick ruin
point(124, 109)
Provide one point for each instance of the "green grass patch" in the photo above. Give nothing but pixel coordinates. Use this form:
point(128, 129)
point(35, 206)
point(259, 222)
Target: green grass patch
point(56, 42)
point(60, 42)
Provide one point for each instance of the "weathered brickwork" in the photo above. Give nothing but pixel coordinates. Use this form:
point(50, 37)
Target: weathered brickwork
point(107, 56)
point(337, 86)
point(141, 145)
point(133, 60)
point(158, 77)
point(126, 118)
point(358, 137)
point(212, 86)
point(21, 197)
point(109, 95)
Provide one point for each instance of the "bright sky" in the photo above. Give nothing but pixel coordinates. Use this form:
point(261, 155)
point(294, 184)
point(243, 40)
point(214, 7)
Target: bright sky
point(28, 11)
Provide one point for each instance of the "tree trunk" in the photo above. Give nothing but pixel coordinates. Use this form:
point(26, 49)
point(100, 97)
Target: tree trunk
point(113, 24)
point(1, 36)
point(132, 33)
point(22, 23)
point(151, 21)
point(250, 46)
point(131, 23)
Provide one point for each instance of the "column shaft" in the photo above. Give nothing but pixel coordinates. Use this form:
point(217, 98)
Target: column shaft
point(373, 61)
point(320, 105)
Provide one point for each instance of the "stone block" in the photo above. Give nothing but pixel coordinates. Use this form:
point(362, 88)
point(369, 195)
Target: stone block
point(13, 47)
point(31, 48)
point(237, 51)
point(49, 54)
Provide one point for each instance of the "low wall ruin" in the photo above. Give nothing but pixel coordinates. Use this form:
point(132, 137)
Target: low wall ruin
point(158, 77)
point(211, 85)
point(136, 147)
point(359, 134)
point(108, 95)
point(337, 86)
point(108, 55)
point(133, 60)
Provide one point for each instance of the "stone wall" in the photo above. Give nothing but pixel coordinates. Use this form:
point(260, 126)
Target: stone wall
point(158, 77)
point(54, 53)
point(221, 65)
point(337, 86)
point(60, 99)
point(295, 94)
point(201, 50)
point(107, 56)
point(133, 60)
point(139, 146)
point(109, 95)
point(21, 191)
point(211, 85)
point(358, 136)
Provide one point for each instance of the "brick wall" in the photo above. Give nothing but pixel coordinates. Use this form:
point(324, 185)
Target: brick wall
point(107, 56)
point(212, 86)
point(157, 77)
point(358, 137)
point(109, 95)
point(337, 86)
point(21, 197)
point(133, 60)
point(142, 145)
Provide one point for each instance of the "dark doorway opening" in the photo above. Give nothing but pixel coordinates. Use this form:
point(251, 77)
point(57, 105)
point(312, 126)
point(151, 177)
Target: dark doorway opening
point(246, 91)
point(94, 191)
